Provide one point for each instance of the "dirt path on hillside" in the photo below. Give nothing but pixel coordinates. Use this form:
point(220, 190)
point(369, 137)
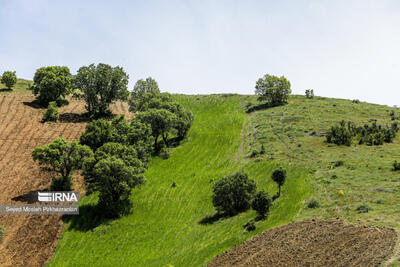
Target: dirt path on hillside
point(30, 240)
point(313, 243)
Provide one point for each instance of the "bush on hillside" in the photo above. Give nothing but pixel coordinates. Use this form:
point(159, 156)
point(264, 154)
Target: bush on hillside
point(233, 193)
point(261, 203)
point(310, 93)
point(9, 78)
point(51, 113)
point(396, 166)
point(250, 226)
point(341, 134)
point(313, 204)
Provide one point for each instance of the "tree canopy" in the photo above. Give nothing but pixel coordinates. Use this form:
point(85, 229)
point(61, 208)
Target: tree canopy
point(100, 86)
point(272, 89)
point(52, 84)
point(9, 78)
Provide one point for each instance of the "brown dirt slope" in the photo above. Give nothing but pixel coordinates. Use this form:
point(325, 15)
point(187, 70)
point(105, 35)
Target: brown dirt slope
point(30, 240)
point(313, 243)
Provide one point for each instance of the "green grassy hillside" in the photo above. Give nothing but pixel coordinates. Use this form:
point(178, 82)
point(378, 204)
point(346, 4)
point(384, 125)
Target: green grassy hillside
point(165, 227)
point(21, 87)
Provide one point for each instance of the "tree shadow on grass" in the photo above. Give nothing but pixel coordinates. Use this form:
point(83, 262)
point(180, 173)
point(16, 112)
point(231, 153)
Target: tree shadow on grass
point(5, 90)
point(211, 219)
point(89, 218)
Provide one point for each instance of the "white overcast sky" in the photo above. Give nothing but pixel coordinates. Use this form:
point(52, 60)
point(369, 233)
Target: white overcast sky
point(346, 49)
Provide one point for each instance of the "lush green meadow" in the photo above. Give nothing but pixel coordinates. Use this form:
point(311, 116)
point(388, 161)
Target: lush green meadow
point(165, 226)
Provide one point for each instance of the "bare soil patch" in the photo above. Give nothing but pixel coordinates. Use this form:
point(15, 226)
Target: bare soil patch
point(313, 243)
point(30, 240)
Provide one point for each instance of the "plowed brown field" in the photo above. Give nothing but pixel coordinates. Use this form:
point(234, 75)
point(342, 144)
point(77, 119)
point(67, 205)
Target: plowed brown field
point(30, 240)
point(313, 243)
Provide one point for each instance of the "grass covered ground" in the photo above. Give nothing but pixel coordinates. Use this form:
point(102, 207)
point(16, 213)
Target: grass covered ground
point(364, 173)
point(174, 225)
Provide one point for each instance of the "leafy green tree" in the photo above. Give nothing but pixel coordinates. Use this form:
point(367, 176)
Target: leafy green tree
point(100, 86)
point(9, 78)
point(233, 193)
point(51, 113)
point(97, 133)
point(113, 171)
point(142, 92)
point(279, 177)
point(272, 89)
point(62, 158)
point(261, 203)
point(52, 84)
point(161, 122)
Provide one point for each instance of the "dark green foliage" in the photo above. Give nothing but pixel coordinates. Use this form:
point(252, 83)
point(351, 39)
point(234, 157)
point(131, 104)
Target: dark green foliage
point(62, 158)
point(51, 84)
point(250, 226)
point(313, 204)
point(356, 101)
point(373, 134)
point(279, 177)
point(61, 184)
point(97, 133)
point(262, 150)
point(396, 166)
point(261, 203)
point(338, 163)
point(113, 171)
point(272, 89)
point(233, 193)
point(100, 86)
point(166, 117)
point(310, 93)
point(9, 78)
point(51, 113)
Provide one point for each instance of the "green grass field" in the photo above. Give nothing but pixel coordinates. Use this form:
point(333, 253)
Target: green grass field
point(164, 227)
point(21, 87)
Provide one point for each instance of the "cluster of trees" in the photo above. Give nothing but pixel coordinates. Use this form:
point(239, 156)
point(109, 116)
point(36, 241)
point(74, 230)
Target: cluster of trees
point(9, 79)
point(236, 193)
point(112, 156)
point(373, 134)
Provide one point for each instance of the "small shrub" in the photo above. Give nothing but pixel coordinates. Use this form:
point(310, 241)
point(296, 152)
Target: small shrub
point(233, 193)
point(313, 204)
point(61, 101)
point(339, 163)
point(250, 226)
point(362, 209)
point(51, 113)
point(262, 150)
point(173, 184)
point(356, 101)
point(61, 184)
point(261, 203)
point(396, 166)
point(254, 153)
point(310, 93)
point(341, 134)
point(334, 176)
point(2, 233)
point(165, 153)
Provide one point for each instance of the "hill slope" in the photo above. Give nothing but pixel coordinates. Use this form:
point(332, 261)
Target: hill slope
point(165, 225)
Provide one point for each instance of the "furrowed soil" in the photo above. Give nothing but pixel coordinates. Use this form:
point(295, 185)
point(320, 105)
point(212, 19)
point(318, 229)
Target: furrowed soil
point(30, 240)
point(313, 243)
